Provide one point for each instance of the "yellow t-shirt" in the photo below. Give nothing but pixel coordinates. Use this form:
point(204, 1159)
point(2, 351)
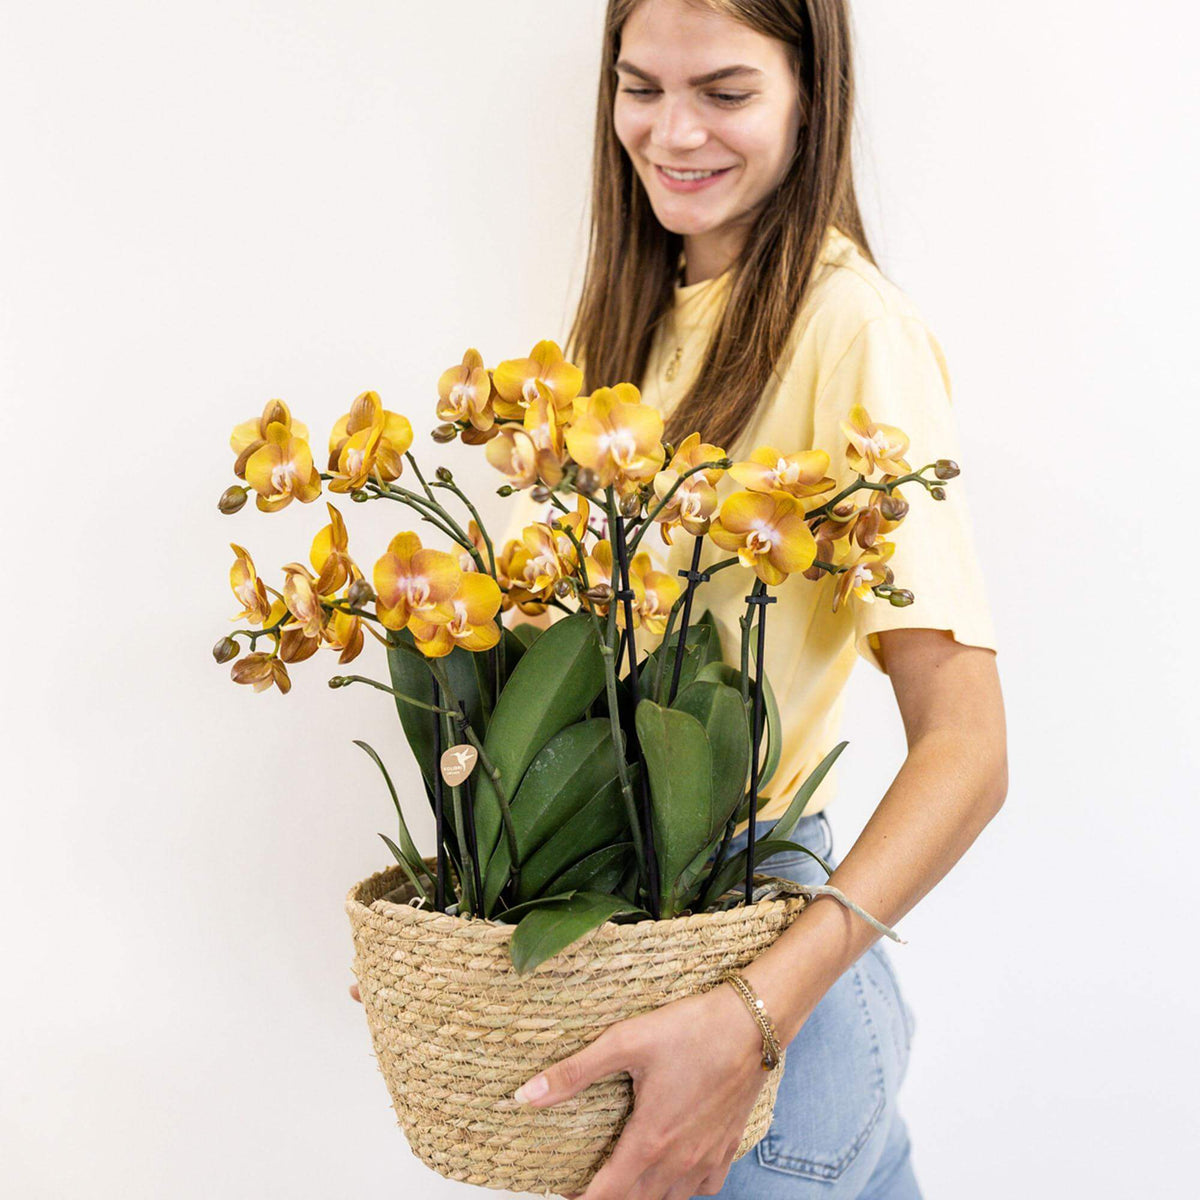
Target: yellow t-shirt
point(858, 340)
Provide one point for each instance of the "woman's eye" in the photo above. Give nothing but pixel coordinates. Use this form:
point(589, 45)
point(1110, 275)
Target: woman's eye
point(731, 97)
point(638, 91)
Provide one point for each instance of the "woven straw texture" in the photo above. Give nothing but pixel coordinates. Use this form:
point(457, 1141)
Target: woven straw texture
point(456, 1030)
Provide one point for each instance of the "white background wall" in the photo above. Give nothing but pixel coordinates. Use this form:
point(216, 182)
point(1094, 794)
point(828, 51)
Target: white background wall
point(208, 205)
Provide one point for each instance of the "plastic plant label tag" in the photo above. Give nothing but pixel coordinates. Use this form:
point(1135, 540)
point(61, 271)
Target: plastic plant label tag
point(458, 762)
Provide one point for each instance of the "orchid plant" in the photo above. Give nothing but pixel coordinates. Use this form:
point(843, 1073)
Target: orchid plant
point(609, 784)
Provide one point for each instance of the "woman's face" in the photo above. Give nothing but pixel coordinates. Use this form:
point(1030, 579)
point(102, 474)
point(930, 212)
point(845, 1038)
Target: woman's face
point(670, 118)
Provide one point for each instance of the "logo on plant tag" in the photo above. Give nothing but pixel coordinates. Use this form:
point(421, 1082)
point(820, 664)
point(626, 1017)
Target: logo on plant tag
point(458, 762)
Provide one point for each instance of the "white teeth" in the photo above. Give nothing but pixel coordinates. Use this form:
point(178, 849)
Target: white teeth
point(686, 175)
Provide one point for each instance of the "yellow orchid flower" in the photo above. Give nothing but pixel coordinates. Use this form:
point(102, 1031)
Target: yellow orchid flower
point(874, 447)
point(576, 522)
point(551, 556)
point(411, 580)
point(343, 631)
point(768, 531)
point(465, 393)
point(599, 567)
point(330, 555)
point(515, 569)
point(516, 382)
point(281, 470)
point(250, 591)
point(654, 594)
point(260, 671)
point(801, 474)
point(534, 452)
point(618, 437)
point(465, 620)
point(250, 435)
point(867, 569)
point(695, 499)
point(300, 596)
point(368, 440)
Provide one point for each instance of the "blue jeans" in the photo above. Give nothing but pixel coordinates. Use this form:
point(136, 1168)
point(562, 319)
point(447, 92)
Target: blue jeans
point(836, 1132)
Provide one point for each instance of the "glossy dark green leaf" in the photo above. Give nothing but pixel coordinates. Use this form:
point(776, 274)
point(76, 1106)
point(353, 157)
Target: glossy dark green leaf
point(733, 870)
point(564, 775)
point(600, 871)
point(600, 821)
point(772, 738)
point(679, 766)
point(786, 825)
point(551, 687)
point(551, 928)
point(703, 647)
point(526, 633)
point(510, 916)
point(719, 709)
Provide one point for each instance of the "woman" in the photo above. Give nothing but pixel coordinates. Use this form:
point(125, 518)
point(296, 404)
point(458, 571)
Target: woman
point(723, 153)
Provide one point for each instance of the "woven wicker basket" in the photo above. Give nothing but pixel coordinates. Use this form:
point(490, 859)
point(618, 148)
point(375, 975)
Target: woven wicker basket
point(456, 1030)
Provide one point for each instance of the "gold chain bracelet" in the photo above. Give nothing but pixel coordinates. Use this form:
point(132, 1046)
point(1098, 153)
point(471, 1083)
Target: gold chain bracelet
point(758, 1010)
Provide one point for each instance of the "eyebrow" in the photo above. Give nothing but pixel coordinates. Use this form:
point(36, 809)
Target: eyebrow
point(696, 80)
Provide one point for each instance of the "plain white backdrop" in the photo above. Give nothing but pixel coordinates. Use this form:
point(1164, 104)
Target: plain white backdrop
point(208, 205)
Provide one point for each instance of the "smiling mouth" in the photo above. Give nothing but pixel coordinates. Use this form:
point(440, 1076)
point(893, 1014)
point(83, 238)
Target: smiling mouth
point(690, 176)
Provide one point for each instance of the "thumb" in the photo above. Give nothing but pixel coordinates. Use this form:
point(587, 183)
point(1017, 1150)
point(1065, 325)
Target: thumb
point(607, 1054)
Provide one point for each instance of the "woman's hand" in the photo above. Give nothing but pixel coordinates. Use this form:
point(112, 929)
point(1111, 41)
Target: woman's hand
point(696, 1066)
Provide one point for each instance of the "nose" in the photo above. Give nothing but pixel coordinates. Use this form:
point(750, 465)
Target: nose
point(676, 128)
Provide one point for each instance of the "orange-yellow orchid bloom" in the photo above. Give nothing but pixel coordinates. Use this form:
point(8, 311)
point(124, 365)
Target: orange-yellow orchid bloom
point(576, 522)
point(261, 671)
point(654, 594)
point(801, 474)
point(343, 631)
point(535, 451)
point(465, 393)
point(465, 620)
point(516, 382)
point(330, 555)
point(515, 569)
point(693, 502)
point(281, 469)
point(368, 440)
point(250, 591)
point(551, 556)
point(768, 531)
point(874, 447)
point(250, 435)
point(412, 580)
point(866, 570)
point(618, 437)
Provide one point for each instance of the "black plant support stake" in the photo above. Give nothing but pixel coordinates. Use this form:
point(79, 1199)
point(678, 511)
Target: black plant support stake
point(439, 895)
point(758, 596)
point(693, 576)
point(625, 596)
point(469, 817)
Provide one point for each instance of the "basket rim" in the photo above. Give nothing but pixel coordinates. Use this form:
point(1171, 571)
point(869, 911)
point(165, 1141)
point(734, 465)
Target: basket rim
point(501, 931)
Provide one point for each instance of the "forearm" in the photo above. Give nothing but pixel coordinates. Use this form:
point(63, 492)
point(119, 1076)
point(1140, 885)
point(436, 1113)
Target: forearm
point(945, 793)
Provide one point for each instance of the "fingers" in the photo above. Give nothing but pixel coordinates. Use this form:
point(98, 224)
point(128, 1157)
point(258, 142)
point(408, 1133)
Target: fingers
point(354, 992)
point(623, 1168)
point(608, 1053)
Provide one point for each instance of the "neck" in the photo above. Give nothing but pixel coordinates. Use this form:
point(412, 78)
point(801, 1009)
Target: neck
point(710, 254)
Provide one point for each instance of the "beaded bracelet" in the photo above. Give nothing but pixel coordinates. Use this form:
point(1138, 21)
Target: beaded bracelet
point(758, 1010)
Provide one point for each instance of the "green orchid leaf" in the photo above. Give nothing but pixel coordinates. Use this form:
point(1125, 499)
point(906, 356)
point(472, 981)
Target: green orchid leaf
point(703, 647)
point(564, 775)
point(526, 633)
point(719, 709)
point(407, 844)
point(733, 871)
point(599, 822)
point(408, 867)
point(772, 738)
point(679, 766)
point(600, 871)
point(550, 928)
point(510, 916)
point(786, 825)
point(550, 688)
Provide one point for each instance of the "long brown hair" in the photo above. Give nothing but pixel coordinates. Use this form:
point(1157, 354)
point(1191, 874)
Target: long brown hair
point(628, 286)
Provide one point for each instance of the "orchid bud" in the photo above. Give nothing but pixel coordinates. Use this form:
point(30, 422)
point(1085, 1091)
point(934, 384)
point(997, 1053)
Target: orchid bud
point(945, 468)
point(359, 496)
point(600, 593)
point(586, 480)
point(505, 489)
point(443, 473)
point(540, 492)
point(844, 510)
point(360, 593)
point(893, 507)
point(232, 499)
point(938, 493)
point(562, 588)
point(225, 649)
point(668, 451)
point(631, 506)
point(901, 598)
point(338, 681)
point(444, 432)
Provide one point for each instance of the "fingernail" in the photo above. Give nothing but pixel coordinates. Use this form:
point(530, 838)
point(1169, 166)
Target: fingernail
point(532, 1089)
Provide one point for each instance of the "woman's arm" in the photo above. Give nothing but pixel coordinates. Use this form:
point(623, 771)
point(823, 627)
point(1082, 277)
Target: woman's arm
point(695, 1062)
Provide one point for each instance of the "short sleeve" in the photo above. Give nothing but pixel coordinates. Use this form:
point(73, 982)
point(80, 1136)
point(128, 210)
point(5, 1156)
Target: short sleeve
point(895, 369)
